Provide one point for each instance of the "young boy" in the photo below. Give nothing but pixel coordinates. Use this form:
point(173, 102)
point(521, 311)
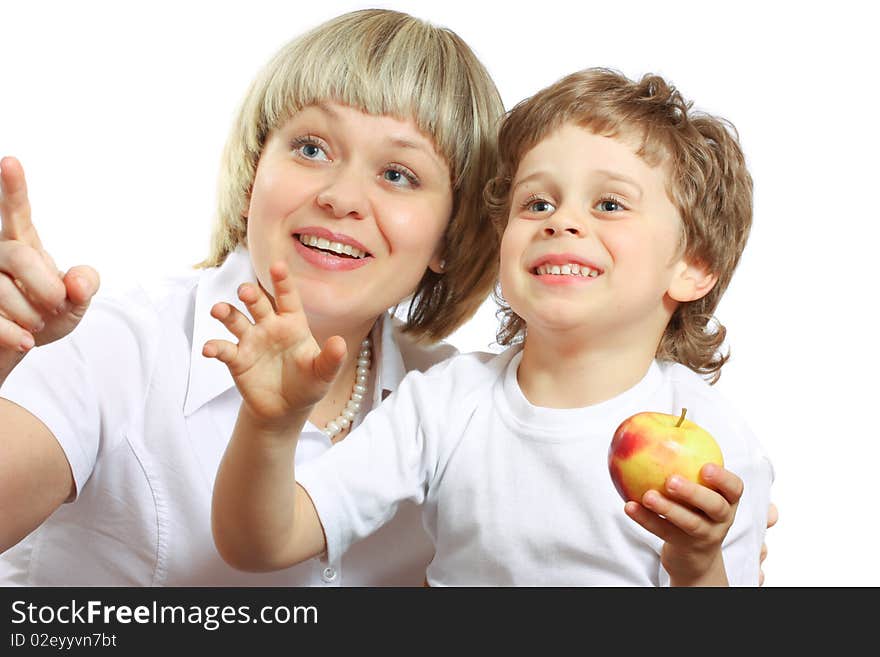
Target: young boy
point(624, 215)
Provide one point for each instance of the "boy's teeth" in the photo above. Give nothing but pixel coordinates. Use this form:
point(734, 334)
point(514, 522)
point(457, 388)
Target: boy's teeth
point(336, 247)
point(570, 269)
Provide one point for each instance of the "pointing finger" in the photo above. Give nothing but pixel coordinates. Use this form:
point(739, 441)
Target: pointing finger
point(15, 208)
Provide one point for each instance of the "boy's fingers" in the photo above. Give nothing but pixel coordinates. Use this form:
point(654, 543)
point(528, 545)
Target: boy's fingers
point(257, 302)
point(683, 517)
point(723, 481)
point(697, 496)
point(650, 521)
point(232, 318)
point(222, 350)
point(286, 296)
point(330, 359)
point(15, 208)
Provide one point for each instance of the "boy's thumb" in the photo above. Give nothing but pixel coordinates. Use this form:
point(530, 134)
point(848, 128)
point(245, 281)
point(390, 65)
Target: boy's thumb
point(330, 359)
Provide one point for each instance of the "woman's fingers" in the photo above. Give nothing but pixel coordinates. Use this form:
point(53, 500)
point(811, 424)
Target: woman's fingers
point(82, 283)
point(15, 208)
point(13, 337)
point(31, 271)
point(16, 307)
point(772, 515)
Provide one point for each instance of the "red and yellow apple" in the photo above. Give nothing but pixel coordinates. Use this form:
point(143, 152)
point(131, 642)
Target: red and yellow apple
point(649, 447)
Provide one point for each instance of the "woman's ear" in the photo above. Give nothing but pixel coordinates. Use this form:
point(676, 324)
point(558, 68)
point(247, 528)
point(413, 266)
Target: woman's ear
point(690, 281)
point(437, 263)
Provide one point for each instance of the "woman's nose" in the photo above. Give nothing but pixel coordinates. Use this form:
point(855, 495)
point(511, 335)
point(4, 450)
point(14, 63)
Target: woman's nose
point(344, 195)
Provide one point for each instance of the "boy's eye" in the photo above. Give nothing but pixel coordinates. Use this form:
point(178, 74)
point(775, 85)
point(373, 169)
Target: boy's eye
point(538, 205)
point(610, 205)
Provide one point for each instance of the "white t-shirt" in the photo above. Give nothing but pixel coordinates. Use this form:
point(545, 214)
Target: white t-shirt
point(144, 419)
point(518, 495)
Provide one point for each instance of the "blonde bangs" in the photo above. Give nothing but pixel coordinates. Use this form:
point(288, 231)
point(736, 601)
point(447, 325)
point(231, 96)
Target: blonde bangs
point(383, 63)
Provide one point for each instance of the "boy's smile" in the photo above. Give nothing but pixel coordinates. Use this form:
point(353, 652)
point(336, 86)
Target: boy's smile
point(592, 240)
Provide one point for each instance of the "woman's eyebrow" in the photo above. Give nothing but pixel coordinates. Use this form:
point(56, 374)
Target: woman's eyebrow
point(420, 146)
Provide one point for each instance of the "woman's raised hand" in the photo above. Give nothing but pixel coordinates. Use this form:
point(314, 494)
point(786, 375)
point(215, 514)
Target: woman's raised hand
point(38, 303)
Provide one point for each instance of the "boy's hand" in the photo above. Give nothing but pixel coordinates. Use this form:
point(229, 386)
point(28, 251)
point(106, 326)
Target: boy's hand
point(38, 304)
point(277, 364)
point(692, 520)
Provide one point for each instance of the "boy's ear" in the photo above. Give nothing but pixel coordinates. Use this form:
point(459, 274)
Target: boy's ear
point(691, 281)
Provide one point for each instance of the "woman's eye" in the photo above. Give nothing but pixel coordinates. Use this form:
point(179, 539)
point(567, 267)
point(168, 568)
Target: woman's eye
point(310, 150)
point(400, 178)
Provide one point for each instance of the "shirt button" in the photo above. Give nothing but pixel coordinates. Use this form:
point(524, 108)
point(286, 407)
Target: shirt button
point(328, 574)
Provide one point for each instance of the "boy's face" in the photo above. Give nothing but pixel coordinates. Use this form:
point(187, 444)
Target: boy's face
point(592, 240)
point(371, 187)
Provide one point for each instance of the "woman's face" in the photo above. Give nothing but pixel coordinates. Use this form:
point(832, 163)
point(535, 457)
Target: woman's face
point(355, 204)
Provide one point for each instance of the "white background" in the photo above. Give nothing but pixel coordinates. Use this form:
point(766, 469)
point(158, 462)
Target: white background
point(119, 111)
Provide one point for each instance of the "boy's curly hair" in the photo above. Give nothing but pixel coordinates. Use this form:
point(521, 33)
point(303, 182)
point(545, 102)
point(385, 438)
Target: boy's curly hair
point(708, 184)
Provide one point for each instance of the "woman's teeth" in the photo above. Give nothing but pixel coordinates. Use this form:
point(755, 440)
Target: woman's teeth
point(336, 247)
point(571, 269)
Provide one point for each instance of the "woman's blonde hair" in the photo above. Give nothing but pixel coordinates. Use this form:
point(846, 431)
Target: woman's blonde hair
point(708, 183)
point(384, 63)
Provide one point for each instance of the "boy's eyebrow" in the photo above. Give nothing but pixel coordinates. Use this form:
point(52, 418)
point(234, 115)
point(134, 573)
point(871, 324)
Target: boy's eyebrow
point(619, 177)
point(605, 173)
point(529, 178)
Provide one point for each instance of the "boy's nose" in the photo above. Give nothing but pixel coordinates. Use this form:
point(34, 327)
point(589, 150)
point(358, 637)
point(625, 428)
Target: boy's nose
point(557, 225)
point(344, 196)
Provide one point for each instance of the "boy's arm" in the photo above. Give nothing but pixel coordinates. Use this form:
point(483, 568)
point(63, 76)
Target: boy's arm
point(261, 518)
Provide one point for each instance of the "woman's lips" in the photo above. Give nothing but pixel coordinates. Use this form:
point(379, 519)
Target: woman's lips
point(326, 260)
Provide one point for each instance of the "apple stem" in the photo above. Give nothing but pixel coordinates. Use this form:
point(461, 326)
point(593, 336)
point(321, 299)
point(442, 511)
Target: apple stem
point(681, 419)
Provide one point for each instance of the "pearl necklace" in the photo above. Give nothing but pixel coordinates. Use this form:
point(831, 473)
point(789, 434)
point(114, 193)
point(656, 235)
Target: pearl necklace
point(353, 407)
